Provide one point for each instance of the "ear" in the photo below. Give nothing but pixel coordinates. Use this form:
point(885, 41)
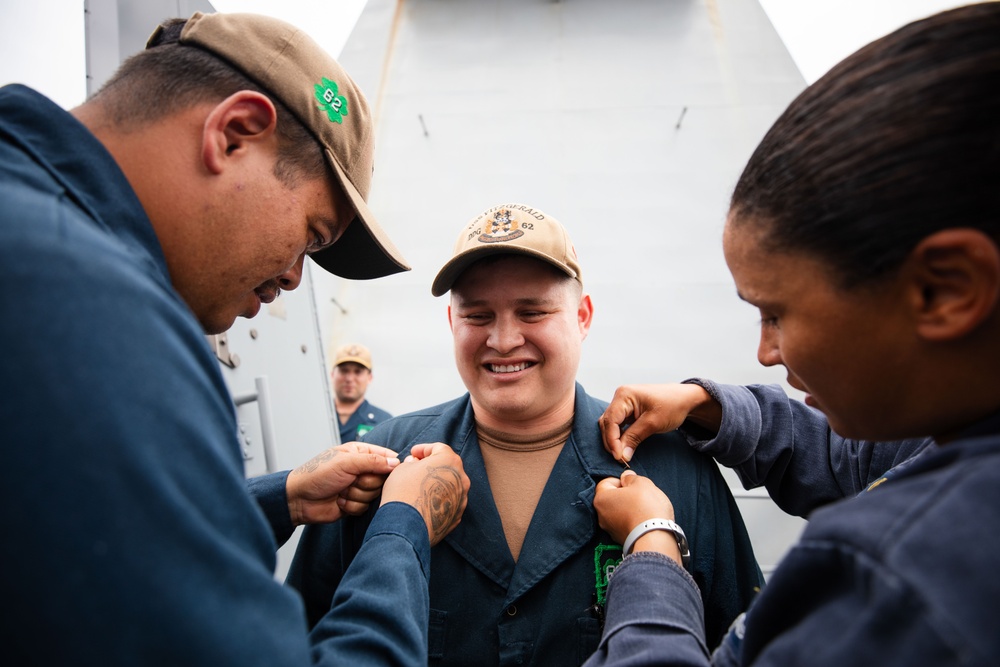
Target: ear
point(957, 282)
point(449, 318)
point(240, 121)
point(585, 314)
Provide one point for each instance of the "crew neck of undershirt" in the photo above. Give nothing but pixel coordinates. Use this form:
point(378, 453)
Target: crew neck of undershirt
point(524, 443)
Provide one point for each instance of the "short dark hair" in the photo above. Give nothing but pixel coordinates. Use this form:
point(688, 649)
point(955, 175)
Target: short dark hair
point(169, 76)
point(898, 141)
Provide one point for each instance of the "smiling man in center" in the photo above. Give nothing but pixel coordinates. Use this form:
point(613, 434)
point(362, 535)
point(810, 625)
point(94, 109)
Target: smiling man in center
point(522, 579)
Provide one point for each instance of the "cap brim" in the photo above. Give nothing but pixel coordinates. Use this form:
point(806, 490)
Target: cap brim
point(364, 250)
point(352, 360)
point(450, 272)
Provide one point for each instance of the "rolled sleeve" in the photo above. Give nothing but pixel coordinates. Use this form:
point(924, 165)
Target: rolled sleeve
point(740, 430)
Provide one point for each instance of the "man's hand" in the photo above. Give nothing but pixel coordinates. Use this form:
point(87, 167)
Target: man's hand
point(433, 481)
point(623, 503)
point(638, 411)
point(341, 480)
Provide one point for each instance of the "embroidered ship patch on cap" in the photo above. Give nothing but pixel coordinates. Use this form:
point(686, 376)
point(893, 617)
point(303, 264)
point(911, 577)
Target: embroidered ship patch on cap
point(501, 228)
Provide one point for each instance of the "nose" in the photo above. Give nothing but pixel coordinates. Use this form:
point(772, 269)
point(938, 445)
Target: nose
point(291, 278)
point(505, 335)
point(768, 351)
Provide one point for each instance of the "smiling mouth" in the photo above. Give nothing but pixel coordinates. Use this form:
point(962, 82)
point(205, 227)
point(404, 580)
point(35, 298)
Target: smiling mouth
point(510, 368)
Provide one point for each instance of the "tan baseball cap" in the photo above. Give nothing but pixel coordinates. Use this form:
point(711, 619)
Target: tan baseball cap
point(509, 228)
point(359, 354)
point(293, 68)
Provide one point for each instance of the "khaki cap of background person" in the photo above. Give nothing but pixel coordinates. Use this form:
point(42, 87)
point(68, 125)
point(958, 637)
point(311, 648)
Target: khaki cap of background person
point(511, 229)
point(289, 65)
point(359, 354)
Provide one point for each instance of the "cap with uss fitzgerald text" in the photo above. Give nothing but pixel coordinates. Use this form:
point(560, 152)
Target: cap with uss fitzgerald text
point(513, 229)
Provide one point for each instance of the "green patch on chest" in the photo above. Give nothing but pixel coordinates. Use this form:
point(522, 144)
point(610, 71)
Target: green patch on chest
point(606, 558)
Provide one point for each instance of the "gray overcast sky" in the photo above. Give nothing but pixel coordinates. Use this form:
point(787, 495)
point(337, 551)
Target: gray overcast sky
point(820, 33)
point(41, 41)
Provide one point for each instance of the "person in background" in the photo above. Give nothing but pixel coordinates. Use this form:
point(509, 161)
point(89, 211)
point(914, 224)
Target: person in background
point(522, 579)
point(187, 192)
point(866, 230)
point(351, 375)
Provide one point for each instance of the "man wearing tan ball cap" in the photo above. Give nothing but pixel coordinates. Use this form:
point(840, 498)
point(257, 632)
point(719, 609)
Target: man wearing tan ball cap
point(352, 373)
point(185, 193)
point(521, 581)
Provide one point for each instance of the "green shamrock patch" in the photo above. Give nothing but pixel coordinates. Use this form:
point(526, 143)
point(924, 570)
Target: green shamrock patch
point(330, 101)
point(606, 558)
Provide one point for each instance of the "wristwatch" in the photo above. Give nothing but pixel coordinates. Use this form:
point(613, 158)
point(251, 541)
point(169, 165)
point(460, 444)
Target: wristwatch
point(659, 524)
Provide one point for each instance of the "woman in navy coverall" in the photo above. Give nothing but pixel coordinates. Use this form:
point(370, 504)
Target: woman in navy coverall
point(866, 230)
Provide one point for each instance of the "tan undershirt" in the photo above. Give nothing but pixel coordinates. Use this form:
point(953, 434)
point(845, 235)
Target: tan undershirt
point(518, 467)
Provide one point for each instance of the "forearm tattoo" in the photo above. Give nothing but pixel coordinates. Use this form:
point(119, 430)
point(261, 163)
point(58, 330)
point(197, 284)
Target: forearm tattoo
point(441, 495)
point(316, 461)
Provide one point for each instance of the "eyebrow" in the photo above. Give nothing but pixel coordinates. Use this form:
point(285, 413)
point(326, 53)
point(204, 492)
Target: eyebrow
point(526, 301)
point(758, 304)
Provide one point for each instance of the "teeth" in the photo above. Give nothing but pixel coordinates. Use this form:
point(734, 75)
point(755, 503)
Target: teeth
point(509, 368)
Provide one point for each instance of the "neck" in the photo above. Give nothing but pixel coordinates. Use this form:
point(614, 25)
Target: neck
point(521, 425)
point(347, 407)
